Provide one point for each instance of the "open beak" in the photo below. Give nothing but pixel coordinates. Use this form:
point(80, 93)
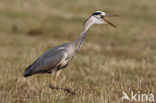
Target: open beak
point(109, 15)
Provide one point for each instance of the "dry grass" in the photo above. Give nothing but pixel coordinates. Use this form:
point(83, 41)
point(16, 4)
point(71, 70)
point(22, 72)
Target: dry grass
point(109, 62)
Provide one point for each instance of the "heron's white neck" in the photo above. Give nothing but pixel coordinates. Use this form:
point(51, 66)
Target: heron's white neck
point(78, 42)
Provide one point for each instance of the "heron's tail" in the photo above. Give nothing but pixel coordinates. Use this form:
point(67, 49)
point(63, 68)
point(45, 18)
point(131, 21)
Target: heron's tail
point(28, 71)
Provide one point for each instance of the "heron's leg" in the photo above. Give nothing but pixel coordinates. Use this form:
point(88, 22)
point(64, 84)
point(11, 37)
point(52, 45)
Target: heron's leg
point(52, 80)
point(57, 75)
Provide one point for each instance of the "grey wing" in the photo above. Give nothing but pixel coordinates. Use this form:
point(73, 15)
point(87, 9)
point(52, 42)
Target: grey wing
point(48, 61)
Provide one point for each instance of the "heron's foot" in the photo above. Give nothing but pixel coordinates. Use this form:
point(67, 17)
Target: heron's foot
point(64, 89)
point(51, 86)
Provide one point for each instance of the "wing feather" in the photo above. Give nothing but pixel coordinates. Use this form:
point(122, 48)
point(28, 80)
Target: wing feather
point(48, 61)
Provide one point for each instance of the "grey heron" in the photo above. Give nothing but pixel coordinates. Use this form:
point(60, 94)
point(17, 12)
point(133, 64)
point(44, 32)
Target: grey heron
point(57, 58)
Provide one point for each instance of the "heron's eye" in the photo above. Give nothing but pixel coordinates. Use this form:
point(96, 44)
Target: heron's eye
point(102, 16)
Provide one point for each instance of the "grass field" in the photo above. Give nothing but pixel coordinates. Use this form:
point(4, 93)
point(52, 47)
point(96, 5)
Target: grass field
point(109, 62)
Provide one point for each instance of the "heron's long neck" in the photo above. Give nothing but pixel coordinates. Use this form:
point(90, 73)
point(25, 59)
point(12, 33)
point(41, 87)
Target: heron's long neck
point(78, 42)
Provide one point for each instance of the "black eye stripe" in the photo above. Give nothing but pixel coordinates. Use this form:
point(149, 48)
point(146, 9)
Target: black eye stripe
point(96, 13)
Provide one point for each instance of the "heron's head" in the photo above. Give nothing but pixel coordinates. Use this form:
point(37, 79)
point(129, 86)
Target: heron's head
point(99, 17)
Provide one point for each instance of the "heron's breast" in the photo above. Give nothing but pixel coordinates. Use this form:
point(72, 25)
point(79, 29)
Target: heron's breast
point(64, 63)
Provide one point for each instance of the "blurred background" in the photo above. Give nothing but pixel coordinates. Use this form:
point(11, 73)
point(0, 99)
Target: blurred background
point(110, 60)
